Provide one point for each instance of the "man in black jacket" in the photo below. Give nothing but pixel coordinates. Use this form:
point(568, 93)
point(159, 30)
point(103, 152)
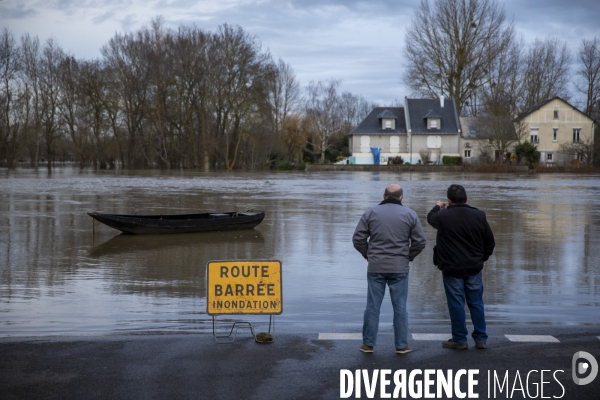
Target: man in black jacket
point(464, 242)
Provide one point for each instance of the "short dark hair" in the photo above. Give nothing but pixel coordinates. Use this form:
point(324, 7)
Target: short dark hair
point(457, 194)
point(397, 194)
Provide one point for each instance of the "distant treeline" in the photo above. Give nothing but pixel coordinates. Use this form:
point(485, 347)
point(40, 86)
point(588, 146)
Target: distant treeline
point(189, 98)
point(164, 98)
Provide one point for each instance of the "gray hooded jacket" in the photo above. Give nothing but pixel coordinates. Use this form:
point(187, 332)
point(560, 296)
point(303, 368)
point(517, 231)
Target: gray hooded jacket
point(395, 237)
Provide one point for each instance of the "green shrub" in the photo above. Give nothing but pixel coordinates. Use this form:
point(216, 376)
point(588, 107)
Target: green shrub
point(452, 160)
point(284, 165)
point(301, 167)
point(529, 152)
point(396, 161)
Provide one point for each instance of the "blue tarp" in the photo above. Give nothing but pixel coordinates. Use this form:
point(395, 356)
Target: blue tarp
point(376, 152)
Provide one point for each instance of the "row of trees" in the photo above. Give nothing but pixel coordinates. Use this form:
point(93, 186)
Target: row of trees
point(189, 98)
point(469, 51)
point(158, 97)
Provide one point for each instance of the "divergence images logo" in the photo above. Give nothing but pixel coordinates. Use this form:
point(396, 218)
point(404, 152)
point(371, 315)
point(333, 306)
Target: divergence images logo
point(583, 367)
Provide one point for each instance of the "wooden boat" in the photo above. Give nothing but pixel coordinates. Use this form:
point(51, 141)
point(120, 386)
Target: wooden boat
point(156, 224)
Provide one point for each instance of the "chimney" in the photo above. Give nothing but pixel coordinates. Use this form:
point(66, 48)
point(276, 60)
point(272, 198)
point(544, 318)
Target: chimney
point(442, 101)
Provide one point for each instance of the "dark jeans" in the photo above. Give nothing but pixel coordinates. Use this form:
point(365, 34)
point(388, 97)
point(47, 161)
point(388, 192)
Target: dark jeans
point(457, 291)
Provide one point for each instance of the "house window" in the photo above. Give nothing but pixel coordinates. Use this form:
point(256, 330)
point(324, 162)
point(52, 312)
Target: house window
point(549, 157)
point(576, 132)
point(554, 134)
point(467, 153)
point(433, 123)
point(535, 138)
point(555, 114)
point(388, 124)
point(533, 135)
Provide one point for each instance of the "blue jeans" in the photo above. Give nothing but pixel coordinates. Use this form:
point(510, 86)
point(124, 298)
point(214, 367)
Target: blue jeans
point(471, 289)
point(398, 284)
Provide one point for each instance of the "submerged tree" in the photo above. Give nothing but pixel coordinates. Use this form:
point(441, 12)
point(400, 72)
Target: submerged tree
point(241, 75)
point(284, 101)
point(323, 113)
point(51, 59)
point(128, 83)
point(95, 117)
point(12, 119)
point(165, 98)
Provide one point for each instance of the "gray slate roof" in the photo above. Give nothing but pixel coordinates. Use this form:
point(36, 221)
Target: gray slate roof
point(387, 114)
point(372, 123)
point(420, 109)
point(432, 114)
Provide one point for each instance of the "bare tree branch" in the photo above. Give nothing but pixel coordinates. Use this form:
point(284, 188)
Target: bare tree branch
point(451, 46)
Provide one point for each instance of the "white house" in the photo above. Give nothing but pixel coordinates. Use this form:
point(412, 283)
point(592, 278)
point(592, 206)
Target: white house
point(427, 128)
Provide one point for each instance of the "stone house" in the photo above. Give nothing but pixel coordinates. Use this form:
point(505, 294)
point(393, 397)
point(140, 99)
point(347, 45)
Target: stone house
point(555, 125)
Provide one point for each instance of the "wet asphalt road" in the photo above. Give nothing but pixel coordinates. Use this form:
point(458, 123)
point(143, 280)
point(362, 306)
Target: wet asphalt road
point(294, 366)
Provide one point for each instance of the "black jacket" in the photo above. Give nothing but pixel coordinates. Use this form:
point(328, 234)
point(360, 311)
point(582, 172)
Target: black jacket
point(464, 239)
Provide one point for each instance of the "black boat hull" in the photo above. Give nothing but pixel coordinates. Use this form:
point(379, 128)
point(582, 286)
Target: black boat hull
point(179, 223)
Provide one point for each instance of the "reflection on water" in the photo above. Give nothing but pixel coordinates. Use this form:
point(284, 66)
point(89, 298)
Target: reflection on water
point(172, 246)
point(57, 277)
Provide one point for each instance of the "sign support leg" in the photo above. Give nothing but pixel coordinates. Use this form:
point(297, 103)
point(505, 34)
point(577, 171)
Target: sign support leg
point(261, 337)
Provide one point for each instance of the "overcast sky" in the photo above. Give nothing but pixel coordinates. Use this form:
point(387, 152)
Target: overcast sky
point(358, 42)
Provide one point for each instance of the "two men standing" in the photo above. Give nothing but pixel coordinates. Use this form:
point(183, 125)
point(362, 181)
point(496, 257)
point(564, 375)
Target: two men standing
point(390, 235)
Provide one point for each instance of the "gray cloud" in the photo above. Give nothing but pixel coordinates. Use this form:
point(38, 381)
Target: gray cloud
point(129, 22)
point(103, 17)
point(15, 11)
point(357, 41)
point(567, 20)
point(372, 7)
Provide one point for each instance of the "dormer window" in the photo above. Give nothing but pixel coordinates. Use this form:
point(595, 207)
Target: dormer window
point(387, 119)
point(433, 120)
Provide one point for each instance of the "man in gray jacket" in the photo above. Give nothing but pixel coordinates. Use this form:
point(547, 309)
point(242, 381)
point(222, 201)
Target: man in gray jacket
point(388, 236)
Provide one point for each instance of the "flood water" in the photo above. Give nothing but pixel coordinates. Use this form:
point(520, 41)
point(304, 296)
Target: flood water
point(57, 277)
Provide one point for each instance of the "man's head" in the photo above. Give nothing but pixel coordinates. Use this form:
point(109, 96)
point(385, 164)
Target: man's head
point(457, 194)
point(393, 191)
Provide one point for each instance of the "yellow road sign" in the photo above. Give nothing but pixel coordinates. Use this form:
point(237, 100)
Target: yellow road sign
point(244, 287)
